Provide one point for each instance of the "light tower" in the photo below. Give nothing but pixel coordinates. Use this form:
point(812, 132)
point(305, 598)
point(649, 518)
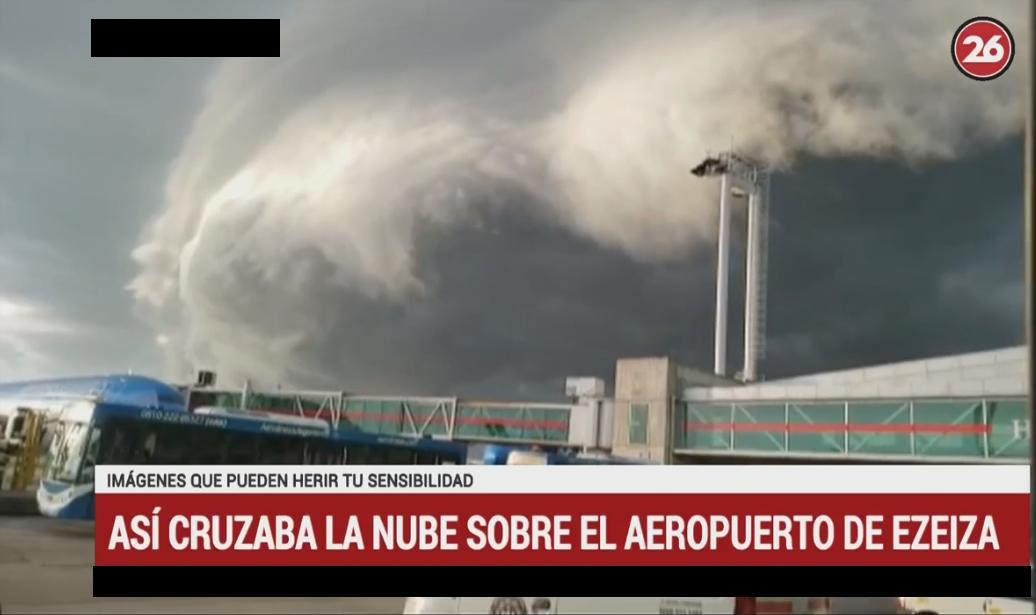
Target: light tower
point(741, 177)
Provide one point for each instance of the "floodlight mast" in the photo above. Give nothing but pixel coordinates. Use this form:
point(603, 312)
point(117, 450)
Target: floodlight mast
point(740, 175)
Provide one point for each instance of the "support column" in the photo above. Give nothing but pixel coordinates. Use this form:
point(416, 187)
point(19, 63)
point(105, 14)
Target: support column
point(749, 372)
point(722, 276)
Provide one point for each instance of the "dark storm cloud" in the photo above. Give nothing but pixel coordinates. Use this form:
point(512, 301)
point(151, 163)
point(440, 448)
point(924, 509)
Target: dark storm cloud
point(515, 304)
point(482, 199)
point(507, 201)
point(870, 263)
point(512, 304)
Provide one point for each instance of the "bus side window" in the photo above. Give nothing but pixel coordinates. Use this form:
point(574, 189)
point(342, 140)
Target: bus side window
point(107, 443)
point(242, 449)
point(357, 455)
point(148, 444)
point(208, 446)
point(377, 455)
point(279, 450)
point(297, 450)
point(319, 453)
point(133, 442)
point(173, 445)
point(427, 459)
point(293, 450)
point(121, 442)
point(269, 450)
point(399, 456)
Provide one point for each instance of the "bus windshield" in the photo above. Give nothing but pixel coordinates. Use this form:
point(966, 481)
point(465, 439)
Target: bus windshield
point(66, 452)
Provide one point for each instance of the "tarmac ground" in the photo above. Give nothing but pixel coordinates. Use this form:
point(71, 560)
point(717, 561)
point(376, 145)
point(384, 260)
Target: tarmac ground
point(46, 566)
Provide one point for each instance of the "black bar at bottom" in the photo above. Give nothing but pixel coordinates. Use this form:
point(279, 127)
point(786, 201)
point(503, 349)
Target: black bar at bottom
point(330, 581)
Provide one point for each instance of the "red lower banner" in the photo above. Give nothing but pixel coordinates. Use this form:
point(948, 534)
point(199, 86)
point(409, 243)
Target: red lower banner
point(486, 529)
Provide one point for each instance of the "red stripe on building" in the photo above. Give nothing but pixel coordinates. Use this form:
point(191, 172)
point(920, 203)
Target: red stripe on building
point(478, 420)
point(460, 420)
point(820, 428)
point(369, 416)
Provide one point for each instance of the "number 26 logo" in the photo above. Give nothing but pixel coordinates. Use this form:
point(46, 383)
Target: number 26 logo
point(982, 48)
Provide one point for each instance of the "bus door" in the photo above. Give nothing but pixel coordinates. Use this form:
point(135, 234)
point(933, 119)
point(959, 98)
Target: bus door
point(509, 606)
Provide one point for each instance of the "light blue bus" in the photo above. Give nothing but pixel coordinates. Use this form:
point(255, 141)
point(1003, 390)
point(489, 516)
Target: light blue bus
point(133, 420)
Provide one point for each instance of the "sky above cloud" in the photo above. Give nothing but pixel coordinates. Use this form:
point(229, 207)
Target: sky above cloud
point(480, 199)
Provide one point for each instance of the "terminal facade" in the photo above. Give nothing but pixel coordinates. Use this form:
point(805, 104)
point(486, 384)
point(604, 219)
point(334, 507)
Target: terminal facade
point(957, 409)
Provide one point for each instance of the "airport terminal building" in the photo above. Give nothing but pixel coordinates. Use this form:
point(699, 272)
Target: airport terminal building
point(957, 409)
point(968, 408)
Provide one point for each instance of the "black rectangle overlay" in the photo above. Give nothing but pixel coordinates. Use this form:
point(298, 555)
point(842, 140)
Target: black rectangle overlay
point(347, 581)
point(188, 38)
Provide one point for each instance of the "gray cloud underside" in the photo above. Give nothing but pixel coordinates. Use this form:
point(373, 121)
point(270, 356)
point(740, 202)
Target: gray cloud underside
point(449, 198)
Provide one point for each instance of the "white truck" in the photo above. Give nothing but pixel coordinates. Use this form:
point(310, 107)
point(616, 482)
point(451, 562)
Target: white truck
point(655, 606)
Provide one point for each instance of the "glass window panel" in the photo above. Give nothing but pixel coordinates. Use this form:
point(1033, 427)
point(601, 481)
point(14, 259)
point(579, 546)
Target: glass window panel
point(208, 447)
point(243, 449)
point(296, 450)
point(399, 456)
point(272, 450)
point(93, 448)
point(638, 424)
point(816, 428)
point(394, 418)
point(357, 455)
point(425, 458)
point(949, 429)
point(203, 398)
point(1010, 429)
point(703, 426)
point(377, 455)
point(759, 427)
point(69, 450)
point(512, 422)
point(176, 444)
point(879, 428)
point(427, 413)
point(121, 442)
